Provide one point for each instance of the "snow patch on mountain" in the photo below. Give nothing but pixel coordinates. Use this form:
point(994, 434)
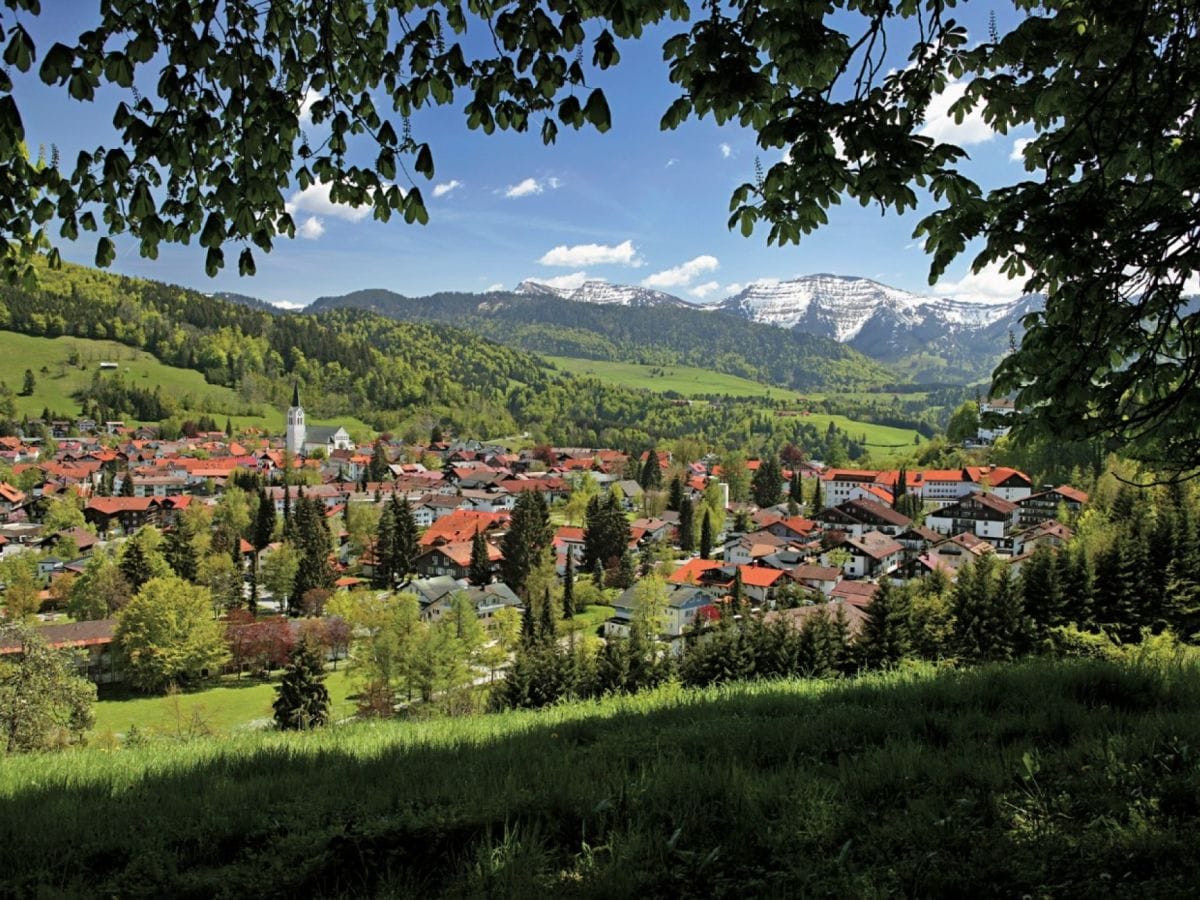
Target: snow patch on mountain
point(603, 293)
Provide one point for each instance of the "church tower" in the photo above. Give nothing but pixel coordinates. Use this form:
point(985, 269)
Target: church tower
point(294, 440)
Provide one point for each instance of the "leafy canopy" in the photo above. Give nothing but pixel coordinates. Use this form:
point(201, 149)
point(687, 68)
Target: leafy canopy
point(1104, 224)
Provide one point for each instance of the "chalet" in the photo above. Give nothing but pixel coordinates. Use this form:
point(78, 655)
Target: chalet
point(984, 515)
point(759, 584)
point(684, 603)
point(461, 526)
point(871, 555)
point(995, 417)
point(129, 513)
point(693, 571)
point(951, 555)
point(429, 591)
point(1006, 483)
point(97, 661)
point(1050, 532)
point(748, 548)
point(942, 486)
point(819, 578)
point(855, 593)
point(1047, 504)
point(792, 528)
point(453, 559)
point(11, 500)
point(486, 601)
point(856, 517)
point(854, 616)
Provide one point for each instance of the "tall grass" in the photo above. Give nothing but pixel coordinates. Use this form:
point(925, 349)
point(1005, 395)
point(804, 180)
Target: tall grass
point(1043, 779)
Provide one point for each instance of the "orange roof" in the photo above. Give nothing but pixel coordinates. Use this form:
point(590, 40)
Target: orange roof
point(460, 525)
point(759, 576)
point(690, 571)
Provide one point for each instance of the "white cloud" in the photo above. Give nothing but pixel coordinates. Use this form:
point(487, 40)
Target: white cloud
point(523, 188)
point(734, 288)
point(940, 124)
point(726, 151)
point(311, 228)
point(287, 304)
point(1018, 149)
point(622, 254)
point(563, 282)
point(671, 162)
point(682, 274)
point(498, 286)
point(531, 186)
point(315, 199)
point(988, 286)
point(310, 97)
point(701, 291)
point(441, 190)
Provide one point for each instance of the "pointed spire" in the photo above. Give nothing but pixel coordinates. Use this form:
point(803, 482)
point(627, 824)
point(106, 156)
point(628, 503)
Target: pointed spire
point(295, 393)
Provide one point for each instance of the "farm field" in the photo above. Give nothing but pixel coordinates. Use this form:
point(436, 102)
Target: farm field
point(56, 381)
point(1039, 778)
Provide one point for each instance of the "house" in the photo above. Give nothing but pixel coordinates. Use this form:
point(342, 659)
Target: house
point(461, 526)
point(792, 528)
point(840, 485)
point(984, 515)
point(1006, 483)
point(855, 617)
point(11, 500)
point(819, 578)
point(759, 583)
point(129, 513)
point(486, 601)
point(1049, 532)
point(858, 516)
point(951, 555)
point(429, 591)
point(1047, 504)
point(97, 661)
point(748, 548)
point(871, 555)
point(855, 593)
point(453, 559)
point(995, 416)
point(684, 603)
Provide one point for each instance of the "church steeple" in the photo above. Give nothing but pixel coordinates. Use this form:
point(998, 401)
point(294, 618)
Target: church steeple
point(296, 431)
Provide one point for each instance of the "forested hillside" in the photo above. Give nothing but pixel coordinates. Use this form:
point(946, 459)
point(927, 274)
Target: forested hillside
point(652, 335)
point(397, 376)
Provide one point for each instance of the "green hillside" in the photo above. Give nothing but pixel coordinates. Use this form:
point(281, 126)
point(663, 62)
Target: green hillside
point(63, 366)
point(1040, 779)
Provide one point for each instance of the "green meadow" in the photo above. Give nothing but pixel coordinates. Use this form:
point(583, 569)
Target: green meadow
point(56, 381)
point(1041, 778)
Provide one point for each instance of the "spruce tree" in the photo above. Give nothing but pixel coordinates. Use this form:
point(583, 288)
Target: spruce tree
point(818, 499)
point(126, 483)
point(568, 599)
point(406, 539)
point(737, 596)
point(706, 536)
point(377, 468)
point(675, 494)
point(687, 526)
point(1042, 589)
point(384, 571)
point(886, 636)
point(766, 486)
point(796, 487)
point(481, 567)
point(528, 629)
point(302, 700)
point(314, 544)
point(546, 630)
point(626, 571)
point(598, 574)
point(529, 534)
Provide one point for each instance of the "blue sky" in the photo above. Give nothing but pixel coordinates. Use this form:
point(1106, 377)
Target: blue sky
point(635, 205)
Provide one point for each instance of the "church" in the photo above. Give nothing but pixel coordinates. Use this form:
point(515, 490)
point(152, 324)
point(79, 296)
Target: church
point(302, 439)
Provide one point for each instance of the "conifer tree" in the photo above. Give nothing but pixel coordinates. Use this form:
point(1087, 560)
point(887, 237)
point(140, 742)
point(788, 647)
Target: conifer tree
point(546, 630)
point(818, 498)
point(598, 574)
point(384, 570)
point(626, 571)
point(377, 468)
point(887, 633)
point(302, 700)
point(528, 629)
point(126, 483)
point(180, 552)
point(766, 485)
point(737, 596)
point(568, 598)
point(1042, 589)
point(1120, 579)
point(706, 535)
point(529, 534)
point(687, 526)
point(313, 542)
point(481, 567)
point(796, 486)
point(407, 540)
point(675, 494)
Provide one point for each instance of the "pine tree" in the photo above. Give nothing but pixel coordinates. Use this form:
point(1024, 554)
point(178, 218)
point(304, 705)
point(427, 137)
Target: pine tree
point(384, 570)
point(626, 571)
point(378, 468)
point(407, 540)
point(1042, 589)
point(796, 487)
point(229, 427)
point(687, 526)
point(598, 574)
point(887, 633)
point(901, 487)
point(180, 553)
point(546, 630)
point(481, 567)
point(675, 494)
point(28, 384)
point(528, 629)
point(302, 700)
point(313, 541)
point(568, 598)
point(818, 499)
point(706, 536)
point(1013, 629)
point(529, 534)
point(126, 483)
point(135, 566)
point(766, 486)
point(737, 596)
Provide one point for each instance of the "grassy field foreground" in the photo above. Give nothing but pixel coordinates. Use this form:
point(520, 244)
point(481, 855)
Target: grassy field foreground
point(1039, 779)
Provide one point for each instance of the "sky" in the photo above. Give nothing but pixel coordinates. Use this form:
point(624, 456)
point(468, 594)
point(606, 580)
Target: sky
point(635, 205)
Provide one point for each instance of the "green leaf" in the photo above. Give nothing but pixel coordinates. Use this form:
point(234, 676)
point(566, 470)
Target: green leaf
point(106, 252)
point(596, 111)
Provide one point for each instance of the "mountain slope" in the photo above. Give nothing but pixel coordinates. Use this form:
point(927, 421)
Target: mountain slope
point(604, 293)
point(659, 333)
point(933, 338)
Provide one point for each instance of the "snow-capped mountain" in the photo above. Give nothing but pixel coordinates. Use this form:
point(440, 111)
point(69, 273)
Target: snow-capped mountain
point(881, 321)
point(603, 293)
